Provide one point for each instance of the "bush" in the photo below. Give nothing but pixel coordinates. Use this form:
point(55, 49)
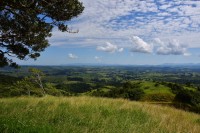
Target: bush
point(75, 87)
point(195, 101)
point(134, 94)
point(189, 99)
point(175, 88)
point(156, 84)
point(131, 91)
point(184, 96)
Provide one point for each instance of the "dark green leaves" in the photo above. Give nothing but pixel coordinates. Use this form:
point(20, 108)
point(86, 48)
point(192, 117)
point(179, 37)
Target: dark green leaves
point(25, 25)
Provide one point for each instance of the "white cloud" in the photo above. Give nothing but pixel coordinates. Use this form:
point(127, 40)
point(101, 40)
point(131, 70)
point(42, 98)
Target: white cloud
point(158, 41)
point(109, 47)
point(72, 56)
point(140, 45)
point(187, 54)
point(121, 49)
point(115, 20)
point(173, 47)
point(167, 47)
point(97, 58)
point(164, 6)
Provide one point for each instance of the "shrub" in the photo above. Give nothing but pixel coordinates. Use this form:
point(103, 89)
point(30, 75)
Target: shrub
point(175, 87)
point(189, 99)
point(131, 91)
point(156, 84)
point(195, 101)
point(183, 96)
point(134, 94)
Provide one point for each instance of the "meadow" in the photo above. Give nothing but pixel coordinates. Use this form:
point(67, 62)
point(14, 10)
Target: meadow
point(100, 99)
point(89, 114)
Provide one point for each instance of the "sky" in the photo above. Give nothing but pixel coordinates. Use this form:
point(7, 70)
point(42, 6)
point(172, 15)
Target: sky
point(128, 32)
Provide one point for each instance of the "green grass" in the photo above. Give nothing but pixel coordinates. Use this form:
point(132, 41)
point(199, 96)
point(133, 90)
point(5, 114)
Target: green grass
point(107, 88)
point(151, 88)
point(91, 115)
point(190, 88)
point(155, 92)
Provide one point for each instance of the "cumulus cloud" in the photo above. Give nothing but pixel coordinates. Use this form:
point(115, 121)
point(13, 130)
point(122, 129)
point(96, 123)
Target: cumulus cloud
point(109, 47)
point(173, 47)
point(140, 45)
point(97, 58)
point(187, 54)
point(170, 47)
point(158, 42)
point(120, 49)
point(72, 56)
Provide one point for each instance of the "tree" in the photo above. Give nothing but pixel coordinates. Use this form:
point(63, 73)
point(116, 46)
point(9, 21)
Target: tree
point(22, 86)
point(132, 91)
point(26, 24)
point(36, 77)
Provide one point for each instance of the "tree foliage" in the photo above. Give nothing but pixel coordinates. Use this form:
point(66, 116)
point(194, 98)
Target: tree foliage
point(22, 87)
point(26, 24)
point(131, 91)
point(36, 77)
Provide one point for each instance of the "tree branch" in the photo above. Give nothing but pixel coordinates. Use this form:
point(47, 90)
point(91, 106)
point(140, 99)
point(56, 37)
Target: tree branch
point(11, 11)
point(28, 4)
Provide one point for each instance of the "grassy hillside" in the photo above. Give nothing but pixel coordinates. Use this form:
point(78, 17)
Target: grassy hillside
point(152, 87)
point(96, 115)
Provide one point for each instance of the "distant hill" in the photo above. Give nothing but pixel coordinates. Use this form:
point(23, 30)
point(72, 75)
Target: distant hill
point(181, 64)
point(104, 64)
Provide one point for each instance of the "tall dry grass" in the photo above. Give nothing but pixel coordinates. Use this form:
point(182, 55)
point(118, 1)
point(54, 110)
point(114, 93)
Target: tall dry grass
point(92, 115)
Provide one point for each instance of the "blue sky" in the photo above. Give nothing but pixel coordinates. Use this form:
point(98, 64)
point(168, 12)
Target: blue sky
point(128, 32)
